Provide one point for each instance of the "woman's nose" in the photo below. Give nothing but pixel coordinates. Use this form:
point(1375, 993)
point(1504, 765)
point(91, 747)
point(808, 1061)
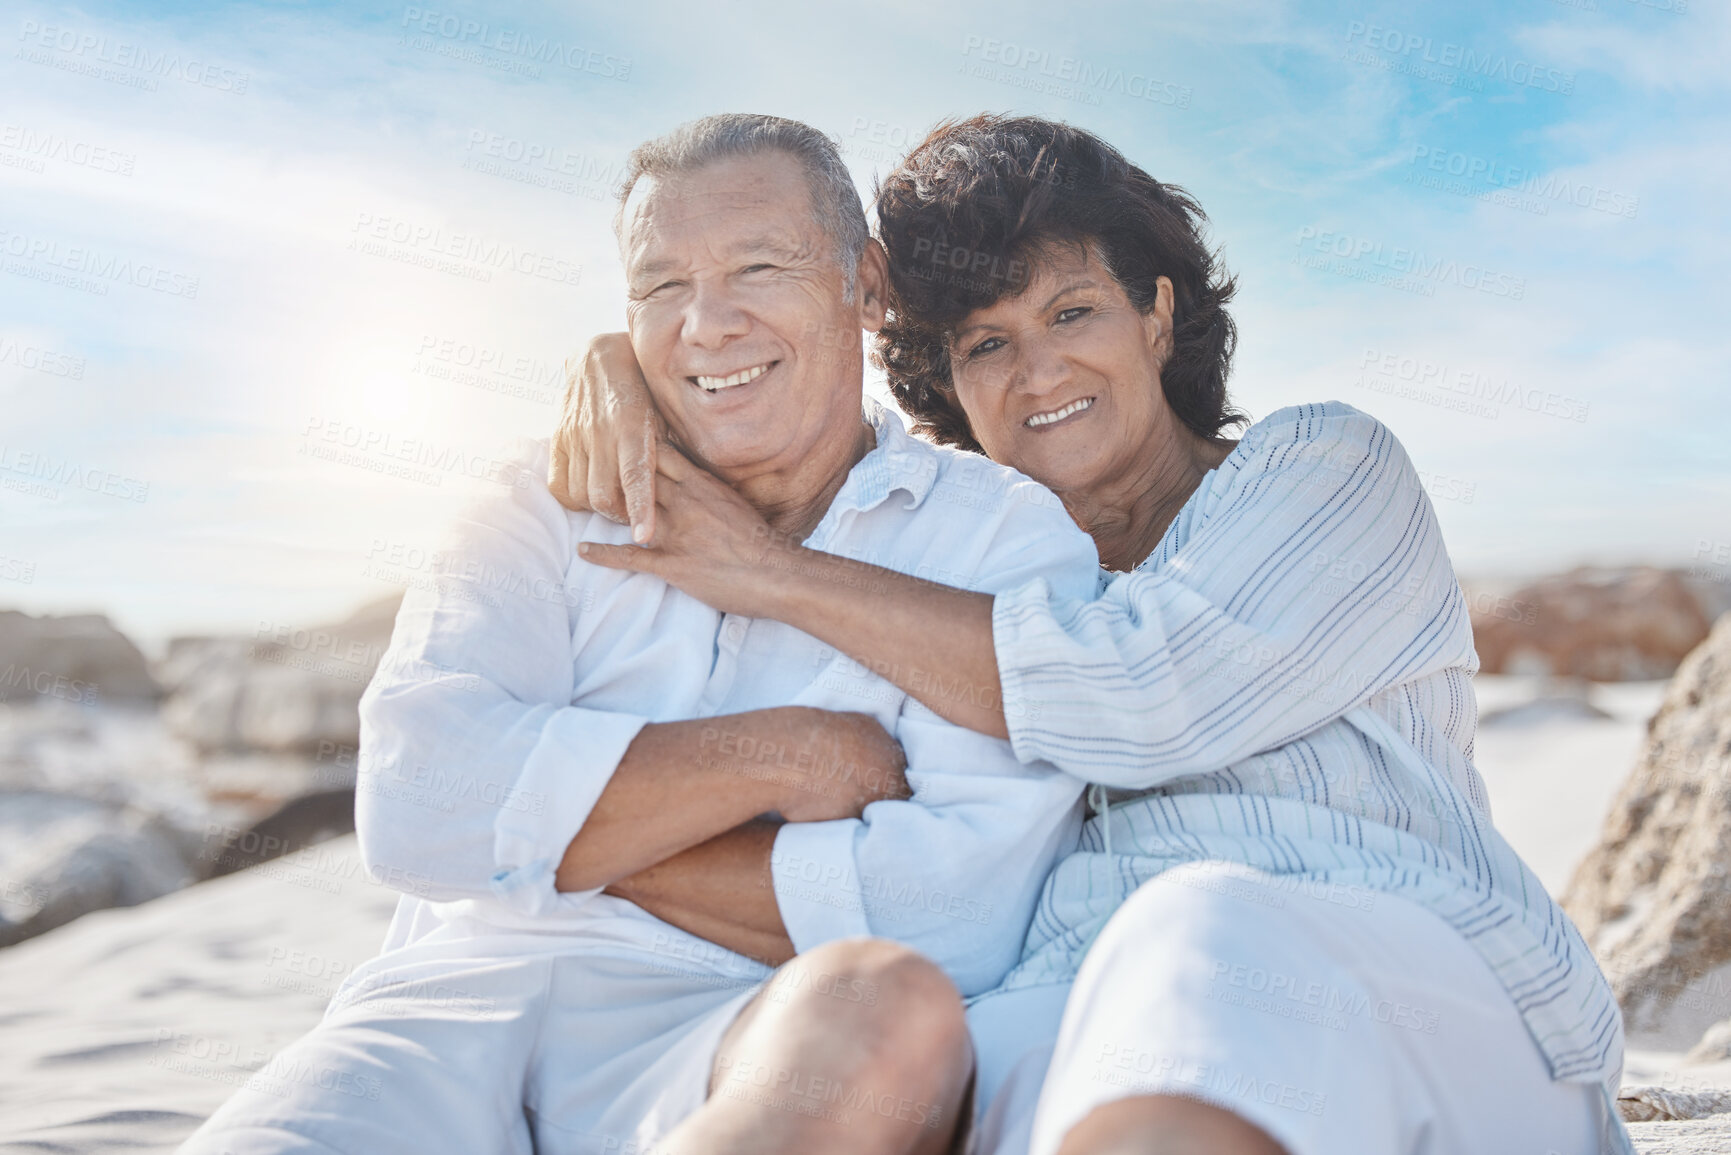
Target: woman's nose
point(1042, 369)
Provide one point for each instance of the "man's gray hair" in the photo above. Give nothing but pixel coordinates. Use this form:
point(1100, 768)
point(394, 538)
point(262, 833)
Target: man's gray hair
point(834, 199)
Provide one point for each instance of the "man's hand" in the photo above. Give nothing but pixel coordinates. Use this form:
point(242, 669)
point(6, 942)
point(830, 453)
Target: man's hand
point(839, 764)
point(604, 452)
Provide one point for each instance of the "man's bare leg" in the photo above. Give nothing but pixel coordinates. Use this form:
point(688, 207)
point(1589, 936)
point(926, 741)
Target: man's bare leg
point(1165, 1125)
point(858, 1047)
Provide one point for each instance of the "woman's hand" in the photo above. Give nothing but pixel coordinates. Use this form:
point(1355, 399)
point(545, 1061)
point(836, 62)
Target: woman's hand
point(709, 541)
point(605, 449)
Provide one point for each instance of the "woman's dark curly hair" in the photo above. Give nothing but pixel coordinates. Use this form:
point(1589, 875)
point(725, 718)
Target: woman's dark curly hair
point(966, 218)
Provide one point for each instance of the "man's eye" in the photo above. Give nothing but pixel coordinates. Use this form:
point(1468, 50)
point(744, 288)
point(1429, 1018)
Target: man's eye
point(757, 268)
point(989, 345)
point(1074, 313)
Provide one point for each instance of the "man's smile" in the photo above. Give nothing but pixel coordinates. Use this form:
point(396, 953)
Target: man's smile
point(731, 380)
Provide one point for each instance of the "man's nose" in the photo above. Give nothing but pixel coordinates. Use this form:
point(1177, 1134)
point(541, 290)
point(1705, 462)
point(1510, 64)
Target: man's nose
point(712, 318)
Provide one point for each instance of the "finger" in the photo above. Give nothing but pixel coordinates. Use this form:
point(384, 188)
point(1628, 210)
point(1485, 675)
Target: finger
point(605, 495)
point(674, 465)
point(627, 557)
point(556, 473)
point(637, 465)
point(561, 480)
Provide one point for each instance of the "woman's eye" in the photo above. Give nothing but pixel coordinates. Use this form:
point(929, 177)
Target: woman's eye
point(989, 345)
point(1075, 313)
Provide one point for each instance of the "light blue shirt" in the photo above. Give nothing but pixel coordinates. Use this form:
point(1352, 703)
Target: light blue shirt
point(1285, 682)
point(515, 682)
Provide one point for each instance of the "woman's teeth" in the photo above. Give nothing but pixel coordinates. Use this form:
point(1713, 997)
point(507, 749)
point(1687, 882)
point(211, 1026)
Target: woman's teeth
point(739, 378)
point(1039, 419)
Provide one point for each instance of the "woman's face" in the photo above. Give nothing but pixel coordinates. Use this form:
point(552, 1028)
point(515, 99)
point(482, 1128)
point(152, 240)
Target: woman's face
point(1063, 381)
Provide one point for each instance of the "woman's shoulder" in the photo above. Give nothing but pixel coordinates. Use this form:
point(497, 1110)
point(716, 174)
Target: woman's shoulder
point(1315, 423)
point(1320, 438)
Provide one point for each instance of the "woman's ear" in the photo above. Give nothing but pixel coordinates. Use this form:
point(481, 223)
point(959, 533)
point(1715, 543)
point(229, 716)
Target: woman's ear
point(871, 286)
point(1157, 322)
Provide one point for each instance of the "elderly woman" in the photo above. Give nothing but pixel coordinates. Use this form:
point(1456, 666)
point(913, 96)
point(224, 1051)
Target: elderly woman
point(1290, 925)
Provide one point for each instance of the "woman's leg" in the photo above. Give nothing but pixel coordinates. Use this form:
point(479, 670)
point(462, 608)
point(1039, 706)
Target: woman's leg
point(1229, 1011)
point(858, 1047)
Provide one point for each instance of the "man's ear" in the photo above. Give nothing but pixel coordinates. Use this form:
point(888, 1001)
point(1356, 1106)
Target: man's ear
point(871, 286)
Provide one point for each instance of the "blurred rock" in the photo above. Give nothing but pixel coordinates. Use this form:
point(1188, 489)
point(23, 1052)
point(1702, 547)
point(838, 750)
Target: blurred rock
point(310, 819)
point(1607, 625)
point(1715, 1045)
point(251, 754)
point(282, 690)
point(62, 857)
point(80, 658)
point(1653, 898)
point(1554, 700)
point(1711, 585)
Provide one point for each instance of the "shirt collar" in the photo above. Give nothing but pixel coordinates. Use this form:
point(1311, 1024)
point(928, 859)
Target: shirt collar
point(900, 462)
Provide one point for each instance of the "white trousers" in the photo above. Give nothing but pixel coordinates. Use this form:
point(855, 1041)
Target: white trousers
point(1364, 1024)
point(431, 1049)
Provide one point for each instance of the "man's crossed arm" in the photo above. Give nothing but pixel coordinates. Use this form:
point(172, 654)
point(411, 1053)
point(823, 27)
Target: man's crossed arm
point(684, 826)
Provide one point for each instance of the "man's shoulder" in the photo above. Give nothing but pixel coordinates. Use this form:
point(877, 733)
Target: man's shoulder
point(512, 495)
point(974, 481)
point(983, 526)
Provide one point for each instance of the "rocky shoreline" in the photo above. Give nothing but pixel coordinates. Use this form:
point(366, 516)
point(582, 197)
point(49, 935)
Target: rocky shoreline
point(122, 780)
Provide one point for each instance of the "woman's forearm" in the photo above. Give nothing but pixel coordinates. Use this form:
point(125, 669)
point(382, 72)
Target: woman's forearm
point(933, 641)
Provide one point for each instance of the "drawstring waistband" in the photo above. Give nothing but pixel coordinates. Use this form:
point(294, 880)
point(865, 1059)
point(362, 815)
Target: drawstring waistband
point(1097, 800)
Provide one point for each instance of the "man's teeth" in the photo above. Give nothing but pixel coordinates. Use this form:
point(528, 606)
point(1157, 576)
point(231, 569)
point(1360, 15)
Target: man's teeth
point(1059, 414)
point(739, 378)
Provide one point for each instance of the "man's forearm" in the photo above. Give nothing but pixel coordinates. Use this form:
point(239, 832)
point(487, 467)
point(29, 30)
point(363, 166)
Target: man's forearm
point(721, 890)
point(669, 793)
point(682, 783)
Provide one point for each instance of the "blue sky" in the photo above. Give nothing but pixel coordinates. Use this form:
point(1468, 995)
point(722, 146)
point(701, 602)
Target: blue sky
point(257, 256)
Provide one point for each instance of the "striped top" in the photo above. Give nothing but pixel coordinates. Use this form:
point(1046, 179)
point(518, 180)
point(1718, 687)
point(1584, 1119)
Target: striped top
point(1285, 683)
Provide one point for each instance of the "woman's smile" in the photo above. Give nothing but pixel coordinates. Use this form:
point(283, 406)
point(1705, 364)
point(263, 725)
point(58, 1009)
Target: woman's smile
point(1041, 422)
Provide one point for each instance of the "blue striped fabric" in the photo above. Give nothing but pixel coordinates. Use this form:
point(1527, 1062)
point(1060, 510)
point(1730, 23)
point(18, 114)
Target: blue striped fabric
point(1285, 683)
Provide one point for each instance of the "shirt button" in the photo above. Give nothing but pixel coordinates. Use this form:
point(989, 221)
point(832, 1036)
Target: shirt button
point(735, 632)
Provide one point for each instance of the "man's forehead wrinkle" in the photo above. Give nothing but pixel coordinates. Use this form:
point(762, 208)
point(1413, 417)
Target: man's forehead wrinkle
point(646, 257)
point(788, 247)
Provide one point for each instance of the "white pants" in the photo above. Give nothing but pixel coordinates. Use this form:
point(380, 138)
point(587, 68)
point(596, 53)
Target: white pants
point(1338, 1027)
point(431, 1049)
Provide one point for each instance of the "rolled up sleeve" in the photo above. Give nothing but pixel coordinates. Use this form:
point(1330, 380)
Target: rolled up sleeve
point(475, 772)
point(954, 872)
point(816, 884)
point(565, 773)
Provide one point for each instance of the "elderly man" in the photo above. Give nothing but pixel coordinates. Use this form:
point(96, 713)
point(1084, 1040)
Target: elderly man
point(617, 809)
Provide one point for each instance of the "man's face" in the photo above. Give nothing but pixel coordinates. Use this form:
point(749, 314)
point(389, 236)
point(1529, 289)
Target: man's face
point(738, 317)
